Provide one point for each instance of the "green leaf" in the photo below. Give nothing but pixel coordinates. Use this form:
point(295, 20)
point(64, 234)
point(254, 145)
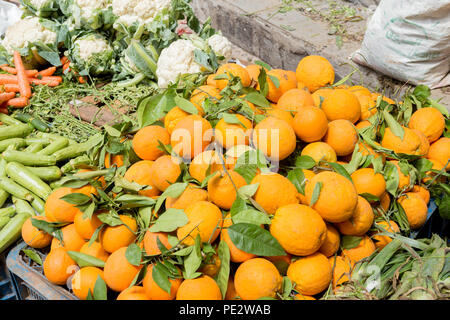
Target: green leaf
point(251, 216)
point(263, 64)
point(76, 198)
point(246, 192)
point(86, 260)
point(185, 105)
point(254, 239)
point(134, 254)
point(395, 127)
point(350, 242)
point(305, 162)
point(134, 201)
point(257, 99)
point(392, 178)
point(422, 92)
point(110, 219)
point(340, 169)
point(112, 131)
point(275, 81)
point(100, 290)
point(170, 220)
point(444, 207)
point(152, 108)
point(370, 197)
point(238, 205)
point(160, 275)
point(377, 164)
point(224, 271)
point(286, 287)
point(184, 252)
point(297, 177)
point(33, 255)
point(262, 81)
point(316, 193)
point(173, 191)
point(194, 260)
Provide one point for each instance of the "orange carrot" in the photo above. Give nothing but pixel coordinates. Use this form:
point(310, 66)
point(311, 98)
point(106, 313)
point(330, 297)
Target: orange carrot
point(64, 59)
point(10, 87)
point(6, 96)
point(18, 102)
point(47, 72)
point(50, 83)
point(52, 78)
point(8, 79)
point(81, 79)
point(4, 110)
point(22, 79)
point(66, 66)
point(29, 73)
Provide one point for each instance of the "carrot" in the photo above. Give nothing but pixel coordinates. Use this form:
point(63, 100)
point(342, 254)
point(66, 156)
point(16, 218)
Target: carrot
point(6, 96)
point(50, 83)
point(4, 110)
point(8, 79)
point(29, 73)
point(81, 79)
point(22, 79)
point(18, 102)
point(64, 59)
point(52, 78)
point(10, 87)
point(47, 72)
point(66, 66)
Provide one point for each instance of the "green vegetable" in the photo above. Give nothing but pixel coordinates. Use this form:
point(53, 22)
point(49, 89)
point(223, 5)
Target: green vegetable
point(15, 131)
point(56, 145)
point(34, 147)
point(4, 144)
point(29, 159)
point(3, 197)
point(74, 163)
point(51, 173)
point(4, 118)
point(53, 136)
point(35, 122)
point(78, 149)
point(8, 211)
point(38, 204)
point(44, 141)
point(11, 232)
point(20, 174)
point(14, 189)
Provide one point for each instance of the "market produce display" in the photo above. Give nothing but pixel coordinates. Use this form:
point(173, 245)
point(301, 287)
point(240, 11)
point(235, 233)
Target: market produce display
point(226, 181)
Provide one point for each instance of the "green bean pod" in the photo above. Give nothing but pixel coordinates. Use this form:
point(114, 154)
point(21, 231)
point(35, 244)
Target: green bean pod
point(27, 179)
point(15, 189)
point(51, 173)
point(56, 145)
point(29, 159)
point(15, 131)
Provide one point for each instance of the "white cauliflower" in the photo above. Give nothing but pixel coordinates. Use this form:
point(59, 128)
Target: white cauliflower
point(176, 60)
point(25, 32)
point(90, 46)
point(221, 46)
point(38, 4)
point(141, 11)
point(89, 6)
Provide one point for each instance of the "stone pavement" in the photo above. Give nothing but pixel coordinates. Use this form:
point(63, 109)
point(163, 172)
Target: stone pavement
point(303, 27)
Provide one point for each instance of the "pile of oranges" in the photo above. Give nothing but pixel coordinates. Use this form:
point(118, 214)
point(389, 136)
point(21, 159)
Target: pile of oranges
point(308, 118)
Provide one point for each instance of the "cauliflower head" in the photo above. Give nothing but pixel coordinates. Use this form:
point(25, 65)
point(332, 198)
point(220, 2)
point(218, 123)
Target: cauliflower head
point(92, 54)
point(24, 33)
point(89, 7)
point(140, 11)
point(221, 46)
point(90, 46)
point(175, 60)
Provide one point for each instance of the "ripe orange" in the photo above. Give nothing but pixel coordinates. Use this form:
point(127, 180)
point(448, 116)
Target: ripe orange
point(280, 114)
point(141, 173)
point(233, 134)
point(274, 191)
point(389, 226)
point(95, 249)
point(172, 117)
point(310, 124)
point(71, 239)
point(236, 254)
point(311, 274)
point(337, 199)
point(341, 136)
point(342, 268)
point(205, 219)
point(254, 70)
point(299, 229)
point(57, 210)
point(320, 151)
point(236, 71)
point(404, 180)
point(154, 292)
point(191, 136)
point(424, 143)
point(287, 81)
point(59, 266)
point(146, 142)
point(257, 278)
point(118, 272)
point(367, 181)
point(151, 244)
point(275, 138)
point(114, 238)
point(315, 72)
point(430, 121)
point(113, 160)
point(332, 240)
point(308, 176)
point(202, 288)
point(385, 201)
point(320, 95)
point(422, 192)
point(84, 281)
point(133, 293)
point(361, 220)
point(34, 237)
point(300, 296)
point(431, 175)
point(294, 100)
point(200, 164)
point(233, 154)
point(440, 151)
point(409, 145)
point(363, 124)
point(86, 227)
point(363, 250)
point(222, 188)
point(200, 94)
point(367, 150)
point(415, 209)
point(191, 195)
point(165, 171)
point(342, 104)
point(231, 290)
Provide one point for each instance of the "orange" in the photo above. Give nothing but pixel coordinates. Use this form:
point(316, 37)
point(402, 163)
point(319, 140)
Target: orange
point(363, 124)
point(440, 151)
point(415, 209)
point(332, 240)
point(257, 278)
point(254, 70)
point(86, 227)
point(202, 288)
point(385, 201)
point(205, 219)
point(89, 189)
point(360, 91)
point(320, 151)
point(367, 181)
point(287, 81)
point(299, 229)
point(34, 237)
point(191, 195)
point(151, 244)
point(310, 124)
point(320, 95)
point(281, 262)
point(172, 117)
point(133, 293)
point(341, 136)
point(231, 290)
point(368, 106)
point(236, 71)
point(281, 114)
point(403, 180)
point(95, 249)
point(164, 172)
point(211, 266)
point(422, 192)
point(311, 274)
point(59, 266)
point(84, 281)
point(141, 173)
point(308, 176)
point(222, 190)
point(315, 72)
point(146, 142)
point(430, 121)
point(389, 226)
point(154, 292)
point(363, 250)
point(424, 143)
point(367, 150)
point(211, 81)
point(300, 296)
point(337, 199)
point(294, 100)
point(410, 144)
point(200, 94)
point(275, 138)
point(113, 160)
point(233, 154)
point(118, 272)
point(236, 254)
point(274, 191)
point(232, 134)
point(430, 174)
point(342, 268)
point(301, 85)
point(342, 104)
point(361, 220)
point(71, 239)
point(57, 210)
point(191, 136)
point(114, 238)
